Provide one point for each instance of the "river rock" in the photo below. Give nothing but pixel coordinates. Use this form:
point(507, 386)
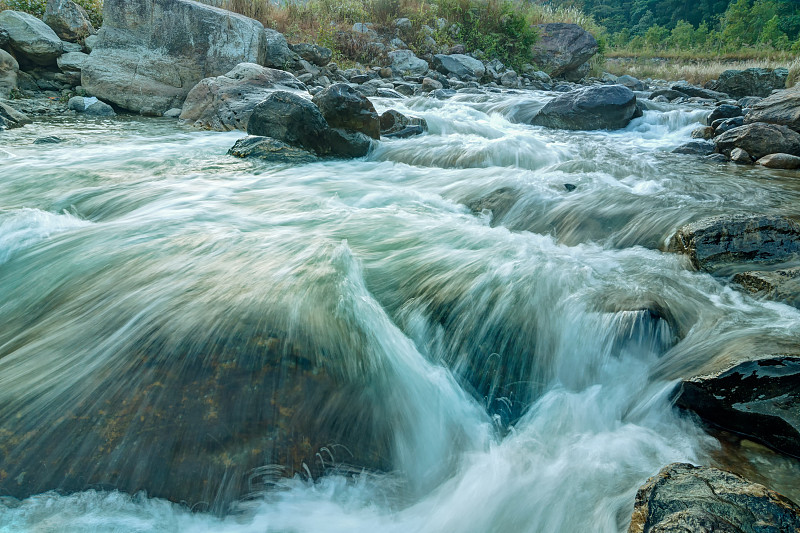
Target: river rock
point(759, 139)
point(31, 39)
point(459, 65)
point(683, 498)
point(318, 55)
point(397, 125)
point(724, 125)
point(150, 53)
point(779, 285)
point(11, 118)
point(589, 108)
point(781, 161)
point(9, 68)
point(90, 106)
point(630, 82)
point(703, 132)
point(695, 148)
point(226, 102)
point(562, 47)
point(698, 92)
point(271, 150)
point(405, 63)
point(724, 111)
point(345, 108)
point(669, 94)
point(741, 157)
point(277, 53)
point(781, 108)
point(68, 20)
point(750, 82)
point(759, 398)
point(715, 242)
point(72, 61)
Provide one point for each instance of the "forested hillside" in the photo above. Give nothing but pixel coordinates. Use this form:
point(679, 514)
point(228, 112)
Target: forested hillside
point(721, 24)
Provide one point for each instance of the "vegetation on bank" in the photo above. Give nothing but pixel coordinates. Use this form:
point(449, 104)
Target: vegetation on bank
point(94, 8)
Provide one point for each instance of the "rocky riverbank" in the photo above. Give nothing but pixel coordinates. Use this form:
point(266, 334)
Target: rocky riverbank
point(298, 107)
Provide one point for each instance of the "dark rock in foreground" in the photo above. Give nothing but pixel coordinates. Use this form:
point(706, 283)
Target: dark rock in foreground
point(683, 498)
point(716, 242)
point(345, 108)
point(759, 139)
point(750, 82)
point(270, 150)
point(758, 398)
point(590, 108)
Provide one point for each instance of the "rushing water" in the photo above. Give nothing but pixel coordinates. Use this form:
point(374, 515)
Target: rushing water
point(519, 369)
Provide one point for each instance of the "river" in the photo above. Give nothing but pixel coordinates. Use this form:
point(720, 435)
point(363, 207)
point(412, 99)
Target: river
point(519, 369)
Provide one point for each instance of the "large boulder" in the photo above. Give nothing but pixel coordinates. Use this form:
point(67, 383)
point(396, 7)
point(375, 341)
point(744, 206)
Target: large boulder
point(404, 62)
point(459, 65)
point(343, 107)
point(750, 82)
point(150, 53)
point(737, 240)
point(277, 53)
point(684, 498)
point(562, 48)
point(225, 102)
point(759, 398)
point(759, 139)
point(589, 108)
point(11, 118)
point(781, 108)
point(9, 68)
point(33, 41)
point(68, 20)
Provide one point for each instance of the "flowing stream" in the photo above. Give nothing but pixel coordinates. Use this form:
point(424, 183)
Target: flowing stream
point(517, 368)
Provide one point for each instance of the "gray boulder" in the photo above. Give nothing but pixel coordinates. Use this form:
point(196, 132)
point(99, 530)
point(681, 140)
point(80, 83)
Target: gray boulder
point(346, 109)
point(741, 157)
point(750, 82)
point(4, 38)
point(459, 65)
point(724, 125)
point(9, 68)
point(224, 103)
point(90, 106)
point(72, 61)
point(11, 118)
point(31, 39)
point(759, 139)
point(318, 55)
point(698, 92)
point(724, 111)
point(780, 161)
point(737, 241)
point(270, 150)
point(630, 82)
point(68, 20)
point(590, 108)
point(395, 124)
point(277, 53)
point(781, 108)
point(404, 62)
point(759, 398)
point(695, 148)
point(562, 48)
point(150, 53)
point(683, 498)
point(669, 94)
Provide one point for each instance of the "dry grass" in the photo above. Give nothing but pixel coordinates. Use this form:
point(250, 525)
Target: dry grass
point(697, 71)
point(794, 73)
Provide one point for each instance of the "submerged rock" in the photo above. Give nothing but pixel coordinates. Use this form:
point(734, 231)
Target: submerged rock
point(759, 398)
point(271, 150)
point(499, 202)
point(563, 48)
point(684, 498)
point(717, 242)
point(589, 108)
point(779, 285)
point(32, 40)
point(759, 139)
point(781, 108)
point(150, 53)
point(226, 102)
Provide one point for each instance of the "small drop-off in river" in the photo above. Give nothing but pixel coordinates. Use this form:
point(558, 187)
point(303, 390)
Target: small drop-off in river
point(361, 345)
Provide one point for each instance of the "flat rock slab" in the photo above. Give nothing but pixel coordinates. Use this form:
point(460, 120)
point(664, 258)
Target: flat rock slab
point(737, 240)
point(683, 498)
point(758, 398)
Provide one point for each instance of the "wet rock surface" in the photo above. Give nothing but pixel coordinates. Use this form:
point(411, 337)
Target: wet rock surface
point(345, 108)
point(589, 108)
point(271, 150)
point(759, 398)
point(737, 240)
point(779, 285)
point(759, 139)
point(683, 498)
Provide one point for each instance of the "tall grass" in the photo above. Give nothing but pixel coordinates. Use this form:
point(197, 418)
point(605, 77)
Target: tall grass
point(694, 71)
point(94, 8)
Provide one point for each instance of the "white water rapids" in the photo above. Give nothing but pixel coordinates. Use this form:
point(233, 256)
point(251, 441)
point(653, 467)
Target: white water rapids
point(523, 366)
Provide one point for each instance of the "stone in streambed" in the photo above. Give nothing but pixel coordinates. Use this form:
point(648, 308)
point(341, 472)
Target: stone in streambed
point(270, 150)
point(724, 125)
point(781, 108)
point(780, 161)
point(724, 111)
point(778, 285)
point(346, 109)
point(589, 108)
point(9, 70)
point(759, 139)
point(737, 240)
point(396, 124)
point(695, 148)
point(90, 106)
point(226, 102)
point(11, 118)
point(459, 65)
point(750, 82)
point(683, 498)
point(741, 157)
